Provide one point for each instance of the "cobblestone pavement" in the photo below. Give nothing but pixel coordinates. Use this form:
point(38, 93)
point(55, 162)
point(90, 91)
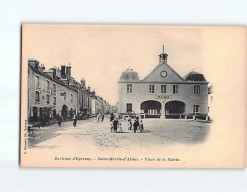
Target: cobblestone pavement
point(97, 134)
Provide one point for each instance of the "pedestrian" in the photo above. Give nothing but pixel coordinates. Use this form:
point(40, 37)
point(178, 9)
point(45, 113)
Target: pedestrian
point(129, 123)
point(115, 125)
point(111, 117)
point(59, 120)
point(138, 124)
point(98, 117)
point(74, 120)
point(44, 120)
point(135, 125)
point(120, 128)
point(141, 125)
point(102, 118)
point(112, 128)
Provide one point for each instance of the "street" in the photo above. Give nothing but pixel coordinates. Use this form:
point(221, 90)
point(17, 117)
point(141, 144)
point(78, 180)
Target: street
point(97, 134)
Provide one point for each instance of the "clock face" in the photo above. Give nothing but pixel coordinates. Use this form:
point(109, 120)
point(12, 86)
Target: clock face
point(163, 74)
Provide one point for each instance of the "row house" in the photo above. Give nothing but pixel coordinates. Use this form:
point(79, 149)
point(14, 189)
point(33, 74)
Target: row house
point(55, 91)
point(99, 105)
point(47, 94)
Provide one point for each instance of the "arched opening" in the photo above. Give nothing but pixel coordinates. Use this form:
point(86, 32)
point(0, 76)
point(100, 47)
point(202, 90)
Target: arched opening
point(64, 112)
point(174, 109)
point(151, 108)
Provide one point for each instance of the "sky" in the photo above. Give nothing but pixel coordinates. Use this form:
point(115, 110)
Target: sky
point(100, 53)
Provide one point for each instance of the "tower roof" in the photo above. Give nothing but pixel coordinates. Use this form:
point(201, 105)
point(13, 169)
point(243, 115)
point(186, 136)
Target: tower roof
point(129, 76)
point(163, 56)
point(194, 76)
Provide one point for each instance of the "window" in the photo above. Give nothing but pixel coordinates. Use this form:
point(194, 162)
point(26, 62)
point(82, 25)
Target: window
point(37, 96)
point(47, 99)
point(47, 85)
point(71, 97)
point(196, 108)
point(163, 88)
point(54, 100)
point(54, 88)
point(37, 81)
point(129, 107)
point(64, 95)
point(175, 89)
point(151, 88)
point(197, 89)
point(129, 88)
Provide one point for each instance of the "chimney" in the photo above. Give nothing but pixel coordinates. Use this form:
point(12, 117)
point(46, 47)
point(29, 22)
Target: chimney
point(68, 70)
point(36, 65)
point(54, 72)
point(63, 71)
point(42, 67)
point(33, 63)
point(83, 82)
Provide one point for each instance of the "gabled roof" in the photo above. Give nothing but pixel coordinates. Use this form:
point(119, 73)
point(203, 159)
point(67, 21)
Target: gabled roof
point(165, 66)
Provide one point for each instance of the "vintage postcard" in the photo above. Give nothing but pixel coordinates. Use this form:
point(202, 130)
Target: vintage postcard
point(133, 96)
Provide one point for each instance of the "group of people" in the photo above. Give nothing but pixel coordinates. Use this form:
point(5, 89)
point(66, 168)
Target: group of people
point(137, 124)
point(75, 117)
point(116, 126)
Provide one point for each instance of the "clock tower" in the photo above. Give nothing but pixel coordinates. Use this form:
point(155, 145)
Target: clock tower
point(163, 56)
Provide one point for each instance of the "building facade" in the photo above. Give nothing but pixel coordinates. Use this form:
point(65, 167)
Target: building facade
point(99, 105)
point(163, 93)
point(47, 94)
point(211, 109)
point(85, 100)
point(55, 91)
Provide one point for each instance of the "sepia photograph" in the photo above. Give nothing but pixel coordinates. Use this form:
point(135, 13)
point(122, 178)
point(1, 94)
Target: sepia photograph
point(132, 96)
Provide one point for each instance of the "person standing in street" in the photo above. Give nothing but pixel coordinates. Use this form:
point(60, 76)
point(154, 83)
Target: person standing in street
point(98, 117)
point(112, 128)
point(115, 125)
point(138, 124)
point(59, 120)
point(135, 125)
point(74, 120)
point(129, 123)
point(111, 117)
point(44, 120)
point(141, 125)
point(120, 128)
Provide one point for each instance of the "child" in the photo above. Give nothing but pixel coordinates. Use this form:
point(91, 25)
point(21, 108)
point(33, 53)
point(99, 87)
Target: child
point(120, 128)
point(112, 128)
point(141, 125)
point(129, 123)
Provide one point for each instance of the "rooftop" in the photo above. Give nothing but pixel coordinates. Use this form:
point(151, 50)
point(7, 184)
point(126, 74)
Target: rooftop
point(194, 76)
point(129, 75)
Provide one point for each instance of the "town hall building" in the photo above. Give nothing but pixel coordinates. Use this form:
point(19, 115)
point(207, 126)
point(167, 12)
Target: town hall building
point(163, 93)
